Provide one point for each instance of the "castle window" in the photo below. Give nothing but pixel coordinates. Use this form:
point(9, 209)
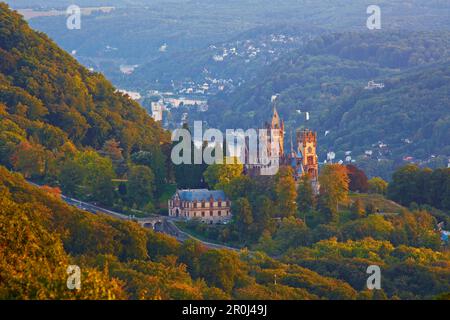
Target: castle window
point(203, 213)
point(220, 213)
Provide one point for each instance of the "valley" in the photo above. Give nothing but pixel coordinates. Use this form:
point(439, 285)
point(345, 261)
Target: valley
point(317, 62)
point(89, 181)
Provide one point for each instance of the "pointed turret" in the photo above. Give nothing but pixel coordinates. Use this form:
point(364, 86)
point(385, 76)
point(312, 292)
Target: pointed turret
point(275, 119)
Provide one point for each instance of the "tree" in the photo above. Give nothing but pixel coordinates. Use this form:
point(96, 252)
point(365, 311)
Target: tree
point(358, 179)
point(305, 195)
point(292, 232)
point(357, 209)
point(438, 194)
point(238, 187)
point(71, 177)
point(374, 226)
point(415, 229)
point(53, 191)
point(414, 186)
point(49, 136)
point(334, 183)
point(445, 204)
point(424, 183)
point(190, 175)
point(262, 214)
point(33, 252)
point(29, 252)
point(217, 176)
point(97, 174)
point(220, 268)
point(66, 151)
point(159, 245)
point(403, 188)
point(285, 192)
point(11, 135)
point(112, 150)
point(190, 253)
point(29, 159)
point(377, 185)
point(140, 186)
point(243, 216)
point(156, 161)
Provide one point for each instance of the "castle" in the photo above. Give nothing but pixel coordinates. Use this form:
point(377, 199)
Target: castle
point(302, 157)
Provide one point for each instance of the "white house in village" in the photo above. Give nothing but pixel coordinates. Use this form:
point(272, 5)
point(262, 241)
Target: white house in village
point(157, 110)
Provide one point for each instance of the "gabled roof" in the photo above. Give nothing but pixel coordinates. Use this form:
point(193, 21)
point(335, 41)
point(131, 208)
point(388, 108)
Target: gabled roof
point(201, 194)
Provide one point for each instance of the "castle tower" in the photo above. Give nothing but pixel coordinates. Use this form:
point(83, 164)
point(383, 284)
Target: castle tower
point(307, 144)
point(278, 125)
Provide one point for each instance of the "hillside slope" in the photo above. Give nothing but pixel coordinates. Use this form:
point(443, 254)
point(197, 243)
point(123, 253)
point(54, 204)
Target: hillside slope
point(40, 236)
point(42, 84)
point(68, 127)
point(327, 79)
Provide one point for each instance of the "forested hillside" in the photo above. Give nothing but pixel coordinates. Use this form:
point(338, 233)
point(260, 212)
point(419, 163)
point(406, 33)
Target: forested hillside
point(43, 83)
point(40, 236)
point(327, 79)
point(342, 230)
point(67, 127)
point(231, 62)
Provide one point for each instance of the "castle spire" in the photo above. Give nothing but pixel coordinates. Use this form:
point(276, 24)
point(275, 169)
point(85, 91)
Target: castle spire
point(275, 118)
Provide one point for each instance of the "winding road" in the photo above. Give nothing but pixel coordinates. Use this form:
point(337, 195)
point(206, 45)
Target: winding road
point(167, 224)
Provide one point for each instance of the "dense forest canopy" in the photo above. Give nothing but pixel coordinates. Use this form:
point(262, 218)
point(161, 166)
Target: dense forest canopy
point(67, 127)
point(121, 260)
point(43, 83)
point(322, 66)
